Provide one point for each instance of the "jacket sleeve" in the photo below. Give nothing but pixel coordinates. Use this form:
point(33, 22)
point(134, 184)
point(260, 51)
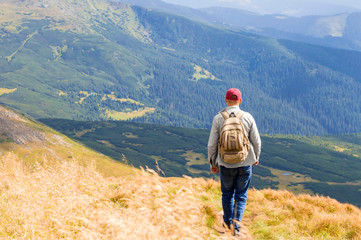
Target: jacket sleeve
point(255, 139)
point(213, 144)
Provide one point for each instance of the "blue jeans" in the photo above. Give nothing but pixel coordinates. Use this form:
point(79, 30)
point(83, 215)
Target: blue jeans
point(234, 185)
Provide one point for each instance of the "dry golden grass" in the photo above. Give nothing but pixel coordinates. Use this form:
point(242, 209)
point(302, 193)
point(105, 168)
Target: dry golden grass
point(7, 91)
point(115, 115)
point(282, 215)
point(201, 73)
point(114, 98)
point(67, 201)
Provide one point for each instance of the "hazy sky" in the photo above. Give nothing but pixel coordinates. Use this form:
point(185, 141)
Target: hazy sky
point(349, 3)
point(289, 7)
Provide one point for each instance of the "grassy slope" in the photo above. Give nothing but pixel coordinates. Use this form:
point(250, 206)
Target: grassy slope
point(54, 188)
point(327, 165)
point(283, 215)
point(66, 200)
point(40, 143)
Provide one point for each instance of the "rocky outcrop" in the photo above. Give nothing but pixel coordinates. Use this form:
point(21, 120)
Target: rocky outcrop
point(15, 127)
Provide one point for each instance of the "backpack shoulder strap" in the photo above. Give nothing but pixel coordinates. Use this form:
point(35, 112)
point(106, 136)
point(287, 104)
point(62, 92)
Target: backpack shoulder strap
point(240, 114)
point(225, 114)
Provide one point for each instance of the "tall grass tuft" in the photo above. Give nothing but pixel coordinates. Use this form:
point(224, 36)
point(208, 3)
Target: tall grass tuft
point(282, 215)
point(68, 201)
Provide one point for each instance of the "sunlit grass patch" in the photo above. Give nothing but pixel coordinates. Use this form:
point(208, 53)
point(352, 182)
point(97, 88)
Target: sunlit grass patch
point(283, 215)
point(106, 143)
point(169, 49)
point(341, 149)
point(85, 131)
point(86, 95)
point(129, 135)
point(114, 98)
point(83, 95)
point(115, 115)
point(61, 93)
point(7, 90)
point(68, 200)
point(290, 181)
point(10, 29)
point(201, 73)
point(194, 158)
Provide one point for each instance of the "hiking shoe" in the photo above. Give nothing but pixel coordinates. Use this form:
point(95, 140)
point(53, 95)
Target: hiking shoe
point(236, 232)
point(235, 229)
point(226, 227)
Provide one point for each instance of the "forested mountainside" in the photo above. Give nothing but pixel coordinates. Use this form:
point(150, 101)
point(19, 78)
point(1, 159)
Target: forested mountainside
point(97, 60)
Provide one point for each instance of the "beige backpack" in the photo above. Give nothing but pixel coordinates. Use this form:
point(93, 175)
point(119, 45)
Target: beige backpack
point(233, 144)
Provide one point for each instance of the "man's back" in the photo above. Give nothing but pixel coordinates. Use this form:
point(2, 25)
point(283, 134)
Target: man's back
point(251, 130)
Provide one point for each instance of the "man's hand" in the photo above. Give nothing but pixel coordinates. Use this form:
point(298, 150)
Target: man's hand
point(215, 170)
point(256, 163)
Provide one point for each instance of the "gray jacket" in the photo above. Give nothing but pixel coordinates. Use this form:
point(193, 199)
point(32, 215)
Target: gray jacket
point(249, 123)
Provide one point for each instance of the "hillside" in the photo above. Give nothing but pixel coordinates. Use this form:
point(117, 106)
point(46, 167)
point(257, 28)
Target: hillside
point(325, 165)
point(114, 61)
point(33, 142)
point(54, 188)
point(67, 200)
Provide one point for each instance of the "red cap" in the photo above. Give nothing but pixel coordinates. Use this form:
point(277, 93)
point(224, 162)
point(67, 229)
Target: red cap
point(233, 94)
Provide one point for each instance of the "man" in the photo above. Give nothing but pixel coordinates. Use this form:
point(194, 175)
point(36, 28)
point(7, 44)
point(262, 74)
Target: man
point(235, 177)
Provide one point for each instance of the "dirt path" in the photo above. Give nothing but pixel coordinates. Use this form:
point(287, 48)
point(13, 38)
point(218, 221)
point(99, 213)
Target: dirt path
point(226, 234)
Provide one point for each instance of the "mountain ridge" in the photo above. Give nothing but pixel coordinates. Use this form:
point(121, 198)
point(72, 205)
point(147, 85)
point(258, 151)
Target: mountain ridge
point(292, 7)
point(332, 30)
